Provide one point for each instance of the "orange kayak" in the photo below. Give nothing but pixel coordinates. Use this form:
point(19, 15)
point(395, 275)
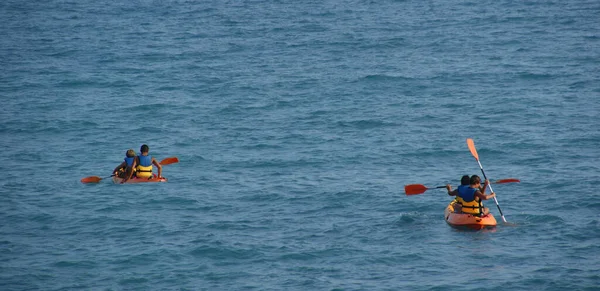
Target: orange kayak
point(118, 180)
point(468, 221)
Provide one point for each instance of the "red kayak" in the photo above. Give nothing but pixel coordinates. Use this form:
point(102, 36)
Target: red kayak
point(118, 180)
point(467, 221)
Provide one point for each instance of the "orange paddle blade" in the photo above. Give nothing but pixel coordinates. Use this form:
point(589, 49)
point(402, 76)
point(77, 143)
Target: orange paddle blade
point(472, 148)
point(91, 179)
point(168, 161)
point(415, 189)
point(510, 180)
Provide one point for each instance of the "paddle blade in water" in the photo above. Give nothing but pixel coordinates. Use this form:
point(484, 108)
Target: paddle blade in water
point(91, 179)
point(171, 160)
point(415, 189)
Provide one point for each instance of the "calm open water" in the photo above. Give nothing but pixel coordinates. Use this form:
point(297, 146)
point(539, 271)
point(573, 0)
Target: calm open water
point(297, 124)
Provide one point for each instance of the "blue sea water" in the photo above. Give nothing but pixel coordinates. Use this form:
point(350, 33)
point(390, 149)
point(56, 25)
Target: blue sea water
point(297, 125)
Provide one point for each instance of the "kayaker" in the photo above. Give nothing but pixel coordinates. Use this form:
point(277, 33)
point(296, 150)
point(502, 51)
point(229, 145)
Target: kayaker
point(464, 182)
point(125, 169)
point(470, 198)
point(144, 162)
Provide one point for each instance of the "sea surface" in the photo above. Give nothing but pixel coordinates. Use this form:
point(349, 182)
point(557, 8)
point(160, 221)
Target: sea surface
point(297, 125)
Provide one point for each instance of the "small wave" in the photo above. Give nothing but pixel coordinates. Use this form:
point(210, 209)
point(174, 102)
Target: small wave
point(223, 253)
point(75, 264)
point(592, 37)
point(366, 124)
point(149, 107)
point(582, 84)
point(261, 146)
point(379, 77)
point(166, 88)
point(178, 201)
point(535, 76)
point(78, 83)
point(133, 281)
point(263, 197)
point(410, 218)
point(275, 163)
point(297, 257)
point(544, 219)
point(407, 219)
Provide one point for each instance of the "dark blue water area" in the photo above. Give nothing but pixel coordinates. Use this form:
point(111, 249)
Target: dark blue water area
point(297, 125)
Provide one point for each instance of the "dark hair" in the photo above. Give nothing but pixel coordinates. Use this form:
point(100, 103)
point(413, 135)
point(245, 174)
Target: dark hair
point(144, 148)
point(465, 180)
point(475, 179)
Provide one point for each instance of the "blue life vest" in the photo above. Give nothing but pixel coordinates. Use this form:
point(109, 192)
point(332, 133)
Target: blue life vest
point(457, 197)
point(462, 186)
point(466, 193)
point(144, 168)
point(145, 161)
point(129, 161)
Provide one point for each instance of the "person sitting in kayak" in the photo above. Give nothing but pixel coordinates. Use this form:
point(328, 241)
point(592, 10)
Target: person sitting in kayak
point(470, 198)
point(143, 164)
point(465, 181)
point(126, 168)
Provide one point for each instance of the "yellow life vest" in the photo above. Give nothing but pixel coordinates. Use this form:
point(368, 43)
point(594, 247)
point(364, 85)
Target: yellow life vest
point(474, 207)
point(143, 171)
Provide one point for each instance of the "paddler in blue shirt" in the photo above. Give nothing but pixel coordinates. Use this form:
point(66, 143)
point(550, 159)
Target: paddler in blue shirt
point(125, 169)
point(471, 197)
point(143, 164)
point(464, 182)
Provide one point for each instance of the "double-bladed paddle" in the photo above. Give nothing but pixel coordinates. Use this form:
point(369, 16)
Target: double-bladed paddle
point(96, 179)
point(414, 189)
point(473, 150)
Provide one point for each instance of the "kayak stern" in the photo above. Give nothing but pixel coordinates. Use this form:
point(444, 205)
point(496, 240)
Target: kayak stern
point(468, 221)
point(118, 180)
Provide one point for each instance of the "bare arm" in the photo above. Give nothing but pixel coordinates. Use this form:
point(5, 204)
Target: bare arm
point(129, 171)
point(450, 192)
point(158, 166)
point(485, 184)
point(482, 196)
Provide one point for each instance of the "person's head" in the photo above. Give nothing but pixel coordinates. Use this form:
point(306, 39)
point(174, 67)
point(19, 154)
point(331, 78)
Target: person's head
point(465, 180)
point(144, 149)
point(130, 153)
point(475, 180)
